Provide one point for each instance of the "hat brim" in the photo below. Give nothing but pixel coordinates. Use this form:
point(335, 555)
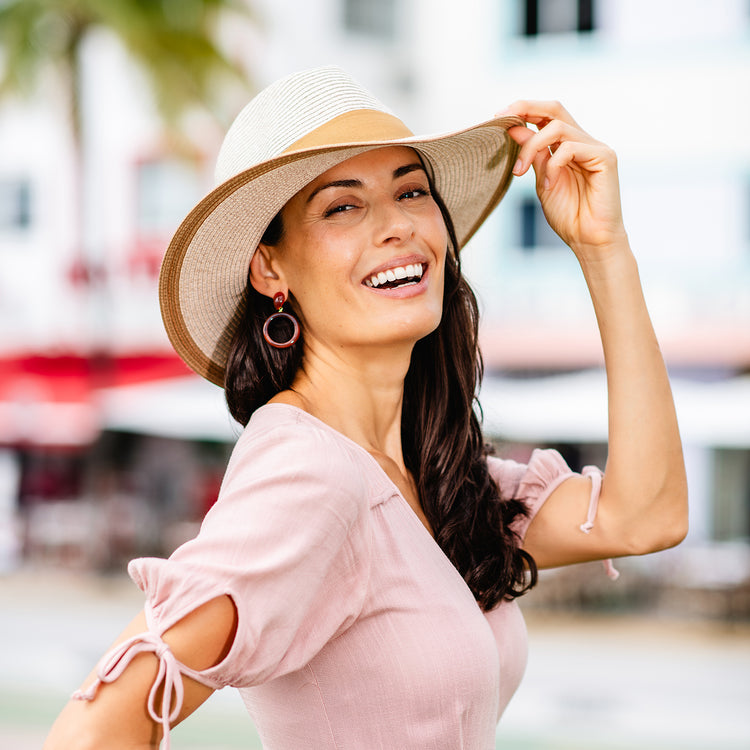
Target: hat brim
point(204, 272)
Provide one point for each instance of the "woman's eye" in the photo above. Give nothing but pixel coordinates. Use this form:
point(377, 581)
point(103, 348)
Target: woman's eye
point(341, 208)
point(416, 192)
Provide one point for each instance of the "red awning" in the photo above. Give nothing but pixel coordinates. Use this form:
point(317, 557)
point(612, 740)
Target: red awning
point(55, 399)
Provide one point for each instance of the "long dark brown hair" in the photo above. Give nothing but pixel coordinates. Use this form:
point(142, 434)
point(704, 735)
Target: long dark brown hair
point(440, 430)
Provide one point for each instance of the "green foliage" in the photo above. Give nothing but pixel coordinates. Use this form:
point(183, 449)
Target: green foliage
point(173, 41)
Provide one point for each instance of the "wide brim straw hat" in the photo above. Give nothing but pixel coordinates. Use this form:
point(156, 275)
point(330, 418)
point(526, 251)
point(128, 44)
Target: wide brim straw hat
point(289, 134)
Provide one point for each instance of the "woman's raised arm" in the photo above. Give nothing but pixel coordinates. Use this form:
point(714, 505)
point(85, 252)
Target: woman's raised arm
point(643, 502)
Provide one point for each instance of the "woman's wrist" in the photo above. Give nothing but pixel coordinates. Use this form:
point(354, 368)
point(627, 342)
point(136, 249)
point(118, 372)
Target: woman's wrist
point(607, 260)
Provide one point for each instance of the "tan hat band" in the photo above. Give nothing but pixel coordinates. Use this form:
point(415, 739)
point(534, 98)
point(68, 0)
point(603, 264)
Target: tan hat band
point(356, 126)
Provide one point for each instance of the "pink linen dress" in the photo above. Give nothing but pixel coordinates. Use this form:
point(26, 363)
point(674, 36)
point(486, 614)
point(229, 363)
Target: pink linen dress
point(354, 631)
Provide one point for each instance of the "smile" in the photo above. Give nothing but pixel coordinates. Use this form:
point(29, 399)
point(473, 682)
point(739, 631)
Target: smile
point(397, 277)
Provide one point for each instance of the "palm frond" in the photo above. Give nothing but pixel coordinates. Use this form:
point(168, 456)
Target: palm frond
point(172, 41)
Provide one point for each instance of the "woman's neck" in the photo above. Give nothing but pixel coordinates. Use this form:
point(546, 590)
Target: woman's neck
point(359, 394)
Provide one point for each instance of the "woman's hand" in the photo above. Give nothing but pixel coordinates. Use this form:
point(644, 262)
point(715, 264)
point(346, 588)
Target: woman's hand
point(576, 177)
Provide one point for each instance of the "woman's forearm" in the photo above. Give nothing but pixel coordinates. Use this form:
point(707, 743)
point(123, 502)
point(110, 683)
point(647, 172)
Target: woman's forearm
point(645, 487)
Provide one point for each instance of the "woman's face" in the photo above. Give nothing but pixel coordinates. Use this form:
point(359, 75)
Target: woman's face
point(363, 251)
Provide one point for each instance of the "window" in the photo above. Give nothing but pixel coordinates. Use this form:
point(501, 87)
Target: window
point(557, 16)
point(15, 205)
point(731, 494)
point(373, 18)
point(534, 231)
point(167, 188)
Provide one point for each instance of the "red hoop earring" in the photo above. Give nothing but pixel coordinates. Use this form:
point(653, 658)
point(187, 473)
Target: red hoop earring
point(278, 303)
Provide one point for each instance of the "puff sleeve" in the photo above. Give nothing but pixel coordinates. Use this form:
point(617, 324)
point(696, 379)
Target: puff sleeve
point(536, 481)
point(287, 540)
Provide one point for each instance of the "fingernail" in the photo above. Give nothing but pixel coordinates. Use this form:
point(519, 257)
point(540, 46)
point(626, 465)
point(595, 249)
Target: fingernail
point(518, 167)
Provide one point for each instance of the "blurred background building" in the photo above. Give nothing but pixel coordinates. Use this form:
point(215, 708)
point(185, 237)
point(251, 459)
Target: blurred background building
point(110, 448)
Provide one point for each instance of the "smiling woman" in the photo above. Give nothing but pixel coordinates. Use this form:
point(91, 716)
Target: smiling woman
point(357, 578)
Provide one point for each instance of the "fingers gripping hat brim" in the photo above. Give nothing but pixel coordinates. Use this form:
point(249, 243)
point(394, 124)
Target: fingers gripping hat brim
point(204, 273)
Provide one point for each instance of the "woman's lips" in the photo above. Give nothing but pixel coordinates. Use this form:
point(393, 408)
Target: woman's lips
point(414, 281)
point(395, 274)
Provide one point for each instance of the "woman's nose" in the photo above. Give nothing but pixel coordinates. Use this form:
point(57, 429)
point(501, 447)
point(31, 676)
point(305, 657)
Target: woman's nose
point(393, 223)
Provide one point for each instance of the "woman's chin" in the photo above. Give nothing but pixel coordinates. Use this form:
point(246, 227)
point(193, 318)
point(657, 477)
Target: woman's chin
point(405, 332)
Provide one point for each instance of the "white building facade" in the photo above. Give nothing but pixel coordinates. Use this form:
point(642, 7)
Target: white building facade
point(666, 83)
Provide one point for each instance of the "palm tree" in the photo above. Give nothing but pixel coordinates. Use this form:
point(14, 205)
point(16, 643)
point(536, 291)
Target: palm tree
point(172, 41)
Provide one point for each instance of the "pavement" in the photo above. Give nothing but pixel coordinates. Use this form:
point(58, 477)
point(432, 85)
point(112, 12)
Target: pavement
point(593, 682)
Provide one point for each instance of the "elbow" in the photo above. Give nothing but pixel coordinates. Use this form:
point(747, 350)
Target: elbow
point(676, 524)
point(647, 541)
point(669, 536)
point(679, 530)
point(662, 530)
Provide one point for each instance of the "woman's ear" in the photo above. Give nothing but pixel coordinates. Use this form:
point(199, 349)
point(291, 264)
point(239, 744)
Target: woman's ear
point(263, 275)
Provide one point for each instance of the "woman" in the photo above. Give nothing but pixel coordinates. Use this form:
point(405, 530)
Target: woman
point(358, 574)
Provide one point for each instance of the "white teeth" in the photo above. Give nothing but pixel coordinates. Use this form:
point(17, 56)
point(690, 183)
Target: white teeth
point(411, 271)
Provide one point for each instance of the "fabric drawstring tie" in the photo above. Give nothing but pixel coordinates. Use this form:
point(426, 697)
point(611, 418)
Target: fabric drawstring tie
point(595, 475)
point(168, 677)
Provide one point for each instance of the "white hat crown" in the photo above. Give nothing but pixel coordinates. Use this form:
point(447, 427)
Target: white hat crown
point(286, 111)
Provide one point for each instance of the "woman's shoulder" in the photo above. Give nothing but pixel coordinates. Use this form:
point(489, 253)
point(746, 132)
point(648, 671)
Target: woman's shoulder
point(286, 440)
point(288, 428)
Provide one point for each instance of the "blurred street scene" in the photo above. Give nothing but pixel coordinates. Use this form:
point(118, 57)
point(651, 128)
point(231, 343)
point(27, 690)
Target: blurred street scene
point(111, 116)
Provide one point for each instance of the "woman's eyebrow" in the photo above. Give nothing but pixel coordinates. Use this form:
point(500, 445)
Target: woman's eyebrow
point(398, 172)
point(401, 171)
point(334, 183)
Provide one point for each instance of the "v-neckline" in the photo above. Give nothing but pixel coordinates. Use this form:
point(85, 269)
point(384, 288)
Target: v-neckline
point(389, 483)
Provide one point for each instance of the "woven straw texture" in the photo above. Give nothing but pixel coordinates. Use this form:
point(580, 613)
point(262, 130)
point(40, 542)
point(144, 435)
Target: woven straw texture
point(285, 112)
